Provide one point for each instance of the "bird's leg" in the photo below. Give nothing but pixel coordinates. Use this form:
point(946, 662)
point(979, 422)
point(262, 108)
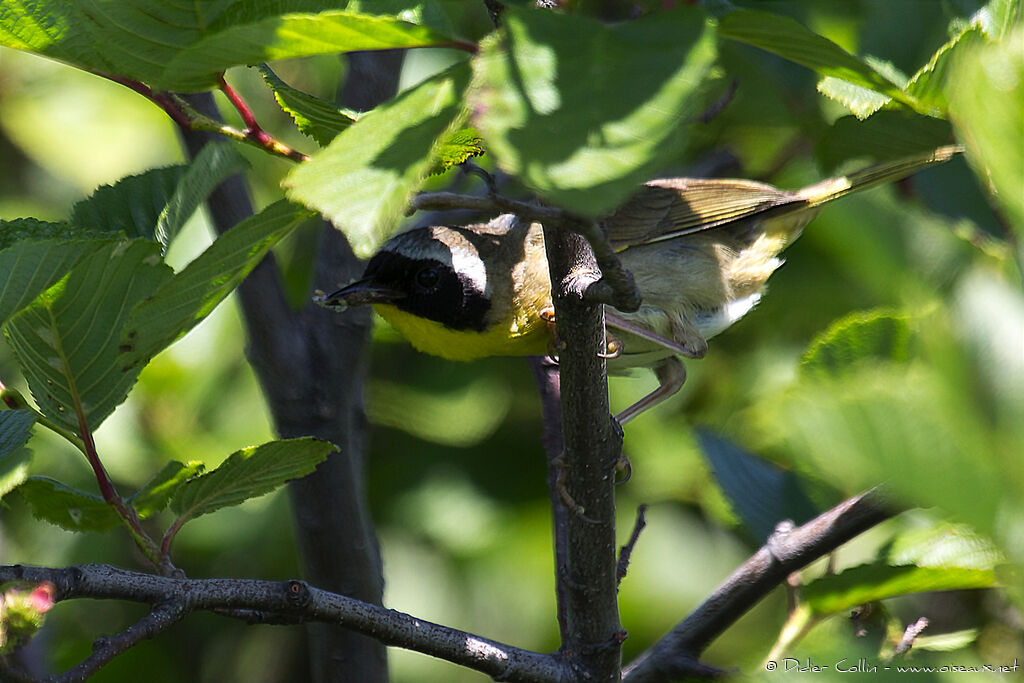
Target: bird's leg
point(671, 376)
point(692, 344)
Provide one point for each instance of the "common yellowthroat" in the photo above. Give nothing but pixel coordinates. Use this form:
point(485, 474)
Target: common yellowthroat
point(700, 251)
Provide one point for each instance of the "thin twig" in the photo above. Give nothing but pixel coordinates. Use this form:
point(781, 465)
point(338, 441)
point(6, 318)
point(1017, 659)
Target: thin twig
point(769, 567)
point(627, 550)
point(105, 648)
point(909, 636)
point(293, 601)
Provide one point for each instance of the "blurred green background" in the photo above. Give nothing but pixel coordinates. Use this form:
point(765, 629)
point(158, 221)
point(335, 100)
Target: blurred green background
point(456, 475)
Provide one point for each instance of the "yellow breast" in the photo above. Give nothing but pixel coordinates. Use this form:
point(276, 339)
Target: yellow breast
point(526, 335)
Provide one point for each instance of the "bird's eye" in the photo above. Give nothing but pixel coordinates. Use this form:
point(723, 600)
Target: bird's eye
point(427, 277)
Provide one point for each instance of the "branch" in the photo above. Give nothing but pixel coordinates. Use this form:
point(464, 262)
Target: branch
point(676, 655)
point(592, 634)
point(292, 601)
point(615, 286)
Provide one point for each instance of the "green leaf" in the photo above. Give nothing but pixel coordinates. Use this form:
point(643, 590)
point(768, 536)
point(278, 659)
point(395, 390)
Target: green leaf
point(66, 507)
point(15, 430)
point(886, 135)
point(873, 582)
point(77, 510)
point(363, 180)
point(906, 426)
point(156, 204)
point(66, 341)
point(863, 102)
point(187, 298)
point(313, 116)
point(761, 493)
point(986, 99)
point(947, 642)
point(942, 545)
point(291, 35)
point(20, 229)
point(456, 148)
point(929, 83)
point(790, 40)
point(31, 267)
point(158, 491)
point(581, 112)
point(864, 337)
point(185, 46)
point(249, 473)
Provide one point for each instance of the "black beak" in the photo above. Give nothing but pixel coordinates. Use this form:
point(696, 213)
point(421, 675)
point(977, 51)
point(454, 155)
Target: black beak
point(360, 293)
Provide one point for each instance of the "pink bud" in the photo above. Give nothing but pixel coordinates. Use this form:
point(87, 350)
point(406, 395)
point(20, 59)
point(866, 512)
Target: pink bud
point(43, 597)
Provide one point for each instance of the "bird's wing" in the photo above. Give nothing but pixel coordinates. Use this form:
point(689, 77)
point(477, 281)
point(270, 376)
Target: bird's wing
point(671, 207)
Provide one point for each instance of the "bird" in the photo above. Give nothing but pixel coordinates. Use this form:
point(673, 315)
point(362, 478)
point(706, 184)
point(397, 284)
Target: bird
point(700, 250)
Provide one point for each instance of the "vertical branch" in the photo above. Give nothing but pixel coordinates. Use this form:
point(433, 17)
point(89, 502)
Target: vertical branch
point(311, 367)
point(545, 372)
point(592, 445)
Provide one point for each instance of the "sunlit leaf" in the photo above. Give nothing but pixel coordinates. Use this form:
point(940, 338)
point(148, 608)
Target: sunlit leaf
point(15, 430)
point(66, 341)
point(944, 545)
point(457, 147)
point(582, 112)
point(185, 47)
point(986, 96)
point(188, 297)
point(864, 337)
point(313, 116)
point(249, 473)
point(791, 40)
point(363, 180)
point(869, 583)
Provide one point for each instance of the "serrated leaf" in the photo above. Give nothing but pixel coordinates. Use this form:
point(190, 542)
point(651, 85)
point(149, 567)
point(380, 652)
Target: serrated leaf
point(156, 204)
point(456, 148)
point(873, 582)
point(15, 430)
point(158, 491)
point(31, 266)
point(363, 180)
point(249, 473)
point(884, 136)
point(761, 493)
point(66, 507)
point(66, 341)
point(791, 40)
point(313, 116)
point(184, 47)
point(291, 34)
point(20, 229)
point(986, 98)
point(188, 297)
point(863, 102)
point(862, 337)
point(902, 425)
point(562, 105)
point(929, 83)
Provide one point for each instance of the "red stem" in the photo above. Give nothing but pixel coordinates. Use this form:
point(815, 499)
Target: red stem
point(158, 98)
